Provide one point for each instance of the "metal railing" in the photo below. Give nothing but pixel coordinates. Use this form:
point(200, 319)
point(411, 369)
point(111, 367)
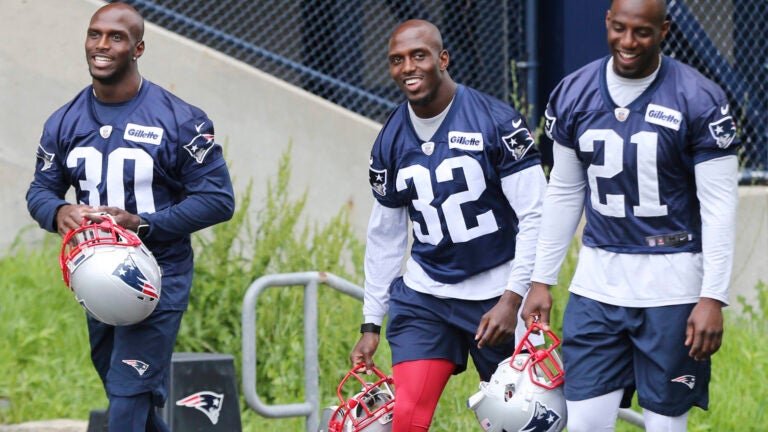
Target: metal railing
point(310, 407)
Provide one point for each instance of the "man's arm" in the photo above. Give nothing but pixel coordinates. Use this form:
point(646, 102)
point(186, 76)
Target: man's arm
point(563, 206)
point(717, 190)
point(525, 192)
point(386, 244)
point(210, 200)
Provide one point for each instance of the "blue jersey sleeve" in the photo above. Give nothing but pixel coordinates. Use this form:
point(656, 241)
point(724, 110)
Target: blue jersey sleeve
point(381, 165)
point(50, 183)
point(210, 200)
point(517, 147)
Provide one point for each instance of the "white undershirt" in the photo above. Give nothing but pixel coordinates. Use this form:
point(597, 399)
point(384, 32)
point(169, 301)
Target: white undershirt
point(637, 280)
point(625, 90)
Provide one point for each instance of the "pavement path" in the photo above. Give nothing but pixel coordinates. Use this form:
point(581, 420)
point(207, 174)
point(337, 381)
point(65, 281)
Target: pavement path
point(48, 426)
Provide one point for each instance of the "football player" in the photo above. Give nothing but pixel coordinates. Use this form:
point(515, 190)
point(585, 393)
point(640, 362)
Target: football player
point(135, 151)
point(463, 168)
point(645, 146)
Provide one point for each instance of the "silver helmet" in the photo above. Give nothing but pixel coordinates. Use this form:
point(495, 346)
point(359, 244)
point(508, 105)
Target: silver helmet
point(114, 276)
point(525, 393)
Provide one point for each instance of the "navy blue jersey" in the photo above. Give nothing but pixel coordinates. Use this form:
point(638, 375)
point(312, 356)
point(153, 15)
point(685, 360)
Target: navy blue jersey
point(463, 224)
point(639, 160)
point(142, 161)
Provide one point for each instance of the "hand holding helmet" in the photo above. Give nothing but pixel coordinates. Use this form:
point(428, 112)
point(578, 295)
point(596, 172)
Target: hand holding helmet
point(114, 276)
point(369, 410)
point(525, 392)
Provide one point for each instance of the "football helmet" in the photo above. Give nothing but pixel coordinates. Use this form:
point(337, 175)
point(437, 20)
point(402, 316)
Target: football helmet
point(369, 410)
point(115, 277)
point(525, 393)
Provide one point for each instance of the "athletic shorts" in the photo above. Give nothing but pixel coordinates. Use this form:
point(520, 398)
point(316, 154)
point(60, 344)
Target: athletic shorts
point(606, 348)
point(422, 326)
point(136, 359)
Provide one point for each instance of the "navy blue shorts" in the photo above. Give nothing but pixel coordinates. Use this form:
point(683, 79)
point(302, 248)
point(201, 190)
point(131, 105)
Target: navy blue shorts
point(606, 348)
point(422, 326)
point(136, 359)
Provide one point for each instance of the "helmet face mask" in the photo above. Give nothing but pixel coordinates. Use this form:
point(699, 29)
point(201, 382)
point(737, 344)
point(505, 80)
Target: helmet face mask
point(114, 276)
point(369, 410)
point(525, 392)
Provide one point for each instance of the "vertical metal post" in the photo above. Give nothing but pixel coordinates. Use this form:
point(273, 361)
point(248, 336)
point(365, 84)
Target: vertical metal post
point(311, 360)
point(532, 63)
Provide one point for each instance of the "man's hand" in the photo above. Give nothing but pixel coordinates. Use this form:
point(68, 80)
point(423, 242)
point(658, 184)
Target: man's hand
point(498, 324)
point(364, 350)
point(121, 217)
point(538, 304)
point(70, 216)
point(704, 332)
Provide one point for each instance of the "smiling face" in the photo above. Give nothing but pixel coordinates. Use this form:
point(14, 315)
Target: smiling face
point(636, 29)
point(113, 41)
point(418, 65)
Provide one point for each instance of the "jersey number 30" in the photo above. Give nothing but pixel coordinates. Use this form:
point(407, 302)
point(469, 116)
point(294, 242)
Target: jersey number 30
point(142, 188)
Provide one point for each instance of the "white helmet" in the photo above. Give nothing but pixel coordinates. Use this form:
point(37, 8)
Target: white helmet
point(114, 276)
point(370, 410)
point(525, 393)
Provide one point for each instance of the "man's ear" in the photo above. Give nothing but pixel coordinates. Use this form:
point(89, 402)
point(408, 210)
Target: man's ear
point(139, 50)
point(445, 59)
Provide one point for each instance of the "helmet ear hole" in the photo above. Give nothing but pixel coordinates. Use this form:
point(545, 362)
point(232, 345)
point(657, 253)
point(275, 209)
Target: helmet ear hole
point(115, 278)
point(509, 391)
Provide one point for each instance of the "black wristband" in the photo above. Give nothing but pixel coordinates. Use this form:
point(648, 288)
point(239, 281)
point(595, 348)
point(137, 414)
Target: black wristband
point(143, 229)
point(370, 328)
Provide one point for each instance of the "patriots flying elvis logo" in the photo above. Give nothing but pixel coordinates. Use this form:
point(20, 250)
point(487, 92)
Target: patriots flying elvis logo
point(139, 365)
point(130, 273)
point(519, 142)
point(45, 157)
point(723, 131)
point(378, 180)
point(688, 380)
point(200, 145)
point(207, 402)
point(542, 419)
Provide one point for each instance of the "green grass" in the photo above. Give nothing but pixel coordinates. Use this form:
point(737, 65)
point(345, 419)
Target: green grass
point(44, 348)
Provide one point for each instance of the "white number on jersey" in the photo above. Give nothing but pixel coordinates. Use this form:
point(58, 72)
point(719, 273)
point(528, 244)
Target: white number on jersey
point(143, 173)
point(613, 162)
point(432, 233)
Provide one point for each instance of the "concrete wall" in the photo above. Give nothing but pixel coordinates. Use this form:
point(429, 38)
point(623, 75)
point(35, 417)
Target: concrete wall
point(42, 66)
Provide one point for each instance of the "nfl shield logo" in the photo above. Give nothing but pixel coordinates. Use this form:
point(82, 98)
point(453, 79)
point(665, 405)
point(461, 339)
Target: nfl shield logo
point(621, 114)
point(105, 131)
point(428, 148)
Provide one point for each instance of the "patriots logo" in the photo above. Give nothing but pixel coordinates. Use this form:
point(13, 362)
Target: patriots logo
point(688, 380)
point(207, 402)
point(139, 365)
point(200, 145)
point(549, 123)
point(132, 276)
point(723, 131)
point(519, 142)
point(378, 180)
point(45, 157)
point(542, 419)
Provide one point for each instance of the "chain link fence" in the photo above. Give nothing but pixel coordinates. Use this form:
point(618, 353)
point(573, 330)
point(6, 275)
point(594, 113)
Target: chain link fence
point(337, 48)
point(726, 40)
